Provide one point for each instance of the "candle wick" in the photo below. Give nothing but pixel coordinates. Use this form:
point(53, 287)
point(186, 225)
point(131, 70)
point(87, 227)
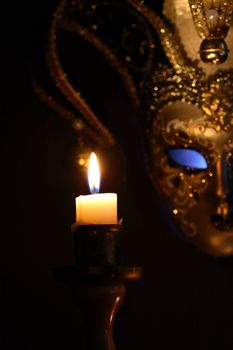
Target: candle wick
point(94, 190)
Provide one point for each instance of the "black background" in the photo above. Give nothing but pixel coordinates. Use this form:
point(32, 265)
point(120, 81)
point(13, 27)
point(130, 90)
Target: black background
point(185, 299)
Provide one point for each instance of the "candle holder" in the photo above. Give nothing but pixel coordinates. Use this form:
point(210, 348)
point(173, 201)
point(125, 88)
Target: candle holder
point(98, 280)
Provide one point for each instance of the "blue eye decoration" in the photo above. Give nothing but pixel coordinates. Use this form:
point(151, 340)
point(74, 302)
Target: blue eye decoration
point(188, 158)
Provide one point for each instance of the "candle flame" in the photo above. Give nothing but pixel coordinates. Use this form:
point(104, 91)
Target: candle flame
point(93, 174)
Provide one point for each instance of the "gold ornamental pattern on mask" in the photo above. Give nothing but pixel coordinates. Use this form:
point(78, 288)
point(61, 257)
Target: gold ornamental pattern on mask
point(214, 95)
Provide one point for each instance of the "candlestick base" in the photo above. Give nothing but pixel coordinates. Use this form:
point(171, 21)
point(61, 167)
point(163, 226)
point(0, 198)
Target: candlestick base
point(97, 281)
point(74, 276)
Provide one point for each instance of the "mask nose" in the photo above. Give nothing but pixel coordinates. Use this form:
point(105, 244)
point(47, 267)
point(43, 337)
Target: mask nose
point(222, 218)
point(222, 187)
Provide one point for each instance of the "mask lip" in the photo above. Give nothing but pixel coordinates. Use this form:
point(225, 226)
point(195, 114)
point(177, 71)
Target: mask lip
point(222, 223)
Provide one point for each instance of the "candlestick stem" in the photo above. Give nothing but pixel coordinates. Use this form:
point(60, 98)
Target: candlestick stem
point(97, 280)
point(99, 305)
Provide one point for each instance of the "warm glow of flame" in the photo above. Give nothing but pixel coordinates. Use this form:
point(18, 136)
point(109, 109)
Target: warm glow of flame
point(93, 174)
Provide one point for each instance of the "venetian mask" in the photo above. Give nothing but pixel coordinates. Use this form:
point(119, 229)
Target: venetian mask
point(189, 148)
point(191, 164)
point(187, 107)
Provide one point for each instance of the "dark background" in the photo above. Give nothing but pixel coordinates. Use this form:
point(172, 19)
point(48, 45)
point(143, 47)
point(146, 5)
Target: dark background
point(185, 299)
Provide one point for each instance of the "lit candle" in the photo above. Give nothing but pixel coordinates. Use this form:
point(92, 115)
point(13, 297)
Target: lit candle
point(96, 208)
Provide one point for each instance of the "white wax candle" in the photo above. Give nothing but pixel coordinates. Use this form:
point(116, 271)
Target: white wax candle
point(97, 209)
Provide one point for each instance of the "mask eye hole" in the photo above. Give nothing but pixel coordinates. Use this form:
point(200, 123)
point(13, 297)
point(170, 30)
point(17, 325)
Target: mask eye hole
point(188, 158)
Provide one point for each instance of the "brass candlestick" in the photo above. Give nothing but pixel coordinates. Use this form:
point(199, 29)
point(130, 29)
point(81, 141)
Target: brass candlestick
point(98, 280)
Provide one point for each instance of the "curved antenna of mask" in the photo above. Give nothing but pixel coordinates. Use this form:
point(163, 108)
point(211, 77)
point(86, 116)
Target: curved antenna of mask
point(78, 124)
point(170, 41)
point(90, 120)
point(66, 88)
point(62, 83)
